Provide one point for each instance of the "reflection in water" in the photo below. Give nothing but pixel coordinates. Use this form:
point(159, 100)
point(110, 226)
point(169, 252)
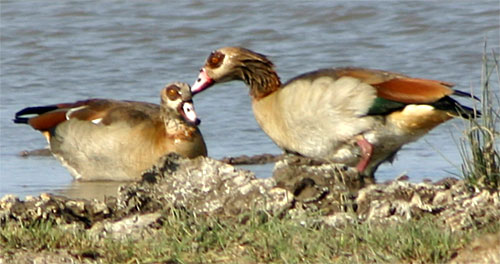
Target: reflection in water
point(91, 190)
point(77, 189)
point(101, 189)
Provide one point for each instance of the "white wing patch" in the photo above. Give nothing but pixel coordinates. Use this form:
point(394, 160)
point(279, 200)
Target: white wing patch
point(97, 121)
point(72, 110)
point(418, 109)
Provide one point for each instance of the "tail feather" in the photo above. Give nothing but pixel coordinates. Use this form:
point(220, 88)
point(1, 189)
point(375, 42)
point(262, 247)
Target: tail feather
point(21, 120)
point(448, 104)
point(21, 117)
point(48, 116)
point(466, 112)
point(37, 117)
point(465, 94)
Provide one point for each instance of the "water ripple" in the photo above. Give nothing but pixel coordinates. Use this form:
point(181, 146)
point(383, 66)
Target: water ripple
point(69, 50)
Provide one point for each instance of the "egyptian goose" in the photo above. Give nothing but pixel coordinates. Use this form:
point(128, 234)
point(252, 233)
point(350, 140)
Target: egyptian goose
point(353, 116)
point(101, 139)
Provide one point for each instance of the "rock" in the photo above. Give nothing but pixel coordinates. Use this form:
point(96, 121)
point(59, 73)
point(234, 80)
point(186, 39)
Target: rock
point(471, 209)
point(317, 187)
point(203, 185)
point(54, 208)
point(131, 228)
point(256, 159)
point(339, 220)
point(36, 152)
point(396, 200)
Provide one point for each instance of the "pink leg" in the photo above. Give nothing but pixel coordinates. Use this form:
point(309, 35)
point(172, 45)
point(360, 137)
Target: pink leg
point(366, 153)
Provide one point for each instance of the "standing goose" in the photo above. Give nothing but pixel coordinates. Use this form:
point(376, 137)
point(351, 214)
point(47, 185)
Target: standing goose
point(101, 139)
point(354, 116)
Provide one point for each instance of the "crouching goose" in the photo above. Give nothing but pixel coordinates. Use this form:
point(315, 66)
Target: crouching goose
point(101, 139)
point(358, 117)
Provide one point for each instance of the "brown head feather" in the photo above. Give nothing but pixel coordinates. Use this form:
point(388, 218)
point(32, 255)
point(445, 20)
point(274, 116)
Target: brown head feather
point(243, 64)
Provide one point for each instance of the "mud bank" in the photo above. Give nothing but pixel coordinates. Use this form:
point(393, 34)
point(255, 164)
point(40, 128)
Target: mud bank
point(314, 195)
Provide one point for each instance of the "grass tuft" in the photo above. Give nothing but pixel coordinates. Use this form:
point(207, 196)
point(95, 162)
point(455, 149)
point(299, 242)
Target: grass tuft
point(479, 148)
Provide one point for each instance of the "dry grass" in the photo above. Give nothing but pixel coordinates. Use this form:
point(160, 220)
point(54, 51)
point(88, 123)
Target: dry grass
point(479, 147)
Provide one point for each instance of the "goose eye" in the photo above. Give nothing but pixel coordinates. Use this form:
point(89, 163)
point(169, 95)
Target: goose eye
point(173, 92)
point(215, 59)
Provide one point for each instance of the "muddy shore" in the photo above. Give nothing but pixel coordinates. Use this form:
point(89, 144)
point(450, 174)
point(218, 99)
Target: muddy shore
point(321, 194)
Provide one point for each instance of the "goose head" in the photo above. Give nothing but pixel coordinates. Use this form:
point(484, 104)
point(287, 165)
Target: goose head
point(235, 63)
point(176, 99)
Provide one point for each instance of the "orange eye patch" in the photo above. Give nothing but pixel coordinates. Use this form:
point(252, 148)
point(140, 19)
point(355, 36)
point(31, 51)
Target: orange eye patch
point(215, 59)
point(173, 92)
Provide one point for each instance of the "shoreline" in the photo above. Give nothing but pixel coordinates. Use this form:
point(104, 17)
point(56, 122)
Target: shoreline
point(310, 196)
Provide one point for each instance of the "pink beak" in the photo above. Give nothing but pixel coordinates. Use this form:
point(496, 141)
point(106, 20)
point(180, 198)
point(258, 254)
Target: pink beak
point(204, 81)
point(187, 111)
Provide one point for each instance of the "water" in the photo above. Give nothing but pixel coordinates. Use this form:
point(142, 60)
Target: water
point(61, 51)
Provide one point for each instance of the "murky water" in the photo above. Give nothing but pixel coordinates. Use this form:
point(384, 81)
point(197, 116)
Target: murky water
point(59, 51)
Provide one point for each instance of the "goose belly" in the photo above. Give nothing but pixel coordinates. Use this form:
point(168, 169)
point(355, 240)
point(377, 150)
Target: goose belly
point(313, 126)
point(92, 152)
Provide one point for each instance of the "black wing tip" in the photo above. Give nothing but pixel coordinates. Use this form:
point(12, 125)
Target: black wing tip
point(20, 120)
point(464, 111)
point(467, 112)
point(465, 94)
point(456, 109)
point(36, 110)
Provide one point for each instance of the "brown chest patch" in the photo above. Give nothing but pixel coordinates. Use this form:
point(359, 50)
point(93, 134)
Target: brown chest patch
point(185, 134)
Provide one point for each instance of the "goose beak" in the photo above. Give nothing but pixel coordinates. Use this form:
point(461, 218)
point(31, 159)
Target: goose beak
point(204, 81)
point(188, 113)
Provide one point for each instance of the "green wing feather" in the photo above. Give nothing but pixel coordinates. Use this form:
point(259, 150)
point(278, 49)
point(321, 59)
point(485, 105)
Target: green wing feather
point(383, 106)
